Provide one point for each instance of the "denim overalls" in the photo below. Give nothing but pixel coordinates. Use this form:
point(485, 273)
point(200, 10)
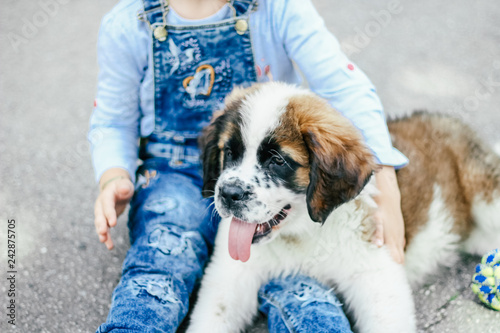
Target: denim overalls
point(172, 228)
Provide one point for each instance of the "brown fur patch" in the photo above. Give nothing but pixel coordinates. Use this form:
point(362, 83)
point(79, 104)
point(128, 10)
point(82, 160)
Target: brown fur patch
point(302, 176)
point(445, 152)
point(226, 134)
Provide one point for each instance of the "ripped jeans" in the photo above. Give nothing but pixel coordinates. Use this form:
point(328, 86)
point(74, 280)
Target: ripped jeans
point(171, 232)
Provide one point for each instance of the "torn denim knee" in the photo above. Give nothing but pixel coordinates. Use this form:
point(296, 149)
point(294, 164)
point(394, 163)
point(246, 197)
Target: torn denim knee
point(170, 240)
point(310, 293)
point(158, 287)
point(162, 205)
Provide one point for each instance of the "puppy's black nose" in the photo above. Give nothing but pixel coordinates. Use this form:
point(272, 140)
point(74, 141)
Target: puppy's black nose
point(232, 193)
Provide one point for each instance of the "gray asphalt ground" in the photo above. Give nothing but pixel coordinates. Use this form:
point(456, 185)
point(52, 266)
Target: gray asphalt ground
point(436, 55)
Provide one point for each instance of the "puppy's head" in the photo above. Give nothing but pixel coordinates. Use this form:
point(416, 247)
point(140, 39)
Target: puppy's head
point(274, 149)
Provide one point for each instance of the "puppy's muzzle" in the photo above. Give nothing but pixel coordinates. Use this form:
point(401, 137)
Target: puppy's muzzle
point(233, 195)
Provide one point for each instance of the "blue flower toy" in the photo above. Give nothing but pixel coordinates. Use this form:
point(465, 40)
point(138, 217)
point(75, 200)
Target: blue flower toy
point(486, 281)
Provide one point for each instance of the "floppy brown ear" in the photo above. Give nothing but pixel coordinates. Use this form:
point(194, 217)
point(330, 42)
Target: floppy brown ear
point(337, 174)
point(340, 163)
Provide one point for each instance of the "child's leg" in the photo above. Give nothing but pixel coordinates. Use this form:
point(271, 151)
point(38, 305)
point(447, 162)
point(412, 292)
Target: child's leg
point(168, 251)
point(299, 303)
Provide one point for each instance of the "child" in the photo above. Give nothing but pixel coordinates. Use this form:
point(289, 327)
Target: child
point(162, 75)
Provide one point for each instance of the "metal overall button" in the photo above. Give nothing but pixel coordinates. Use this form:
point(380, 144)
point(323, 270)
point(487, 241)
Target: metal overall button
point(241, 27)
point(160, 33)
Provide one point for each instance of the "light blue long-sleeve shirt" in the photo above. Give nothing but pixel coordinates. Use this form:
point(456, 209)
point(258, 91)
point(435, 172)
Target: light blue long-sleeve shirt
point(283, 32)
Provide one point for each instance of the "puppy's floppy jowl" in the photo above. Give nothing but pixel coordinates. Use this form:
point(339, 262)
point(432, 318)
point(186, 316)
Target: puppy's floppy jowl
point(280, 158)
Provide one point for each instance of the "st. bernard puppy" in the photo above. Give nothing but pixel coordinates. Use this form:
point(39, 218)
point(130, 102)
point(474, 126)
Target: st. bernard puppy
point(291, 180)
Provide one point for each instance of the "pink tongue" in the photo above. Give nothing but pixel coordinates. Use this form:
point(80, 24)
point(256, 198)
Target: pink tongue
point(240, 239)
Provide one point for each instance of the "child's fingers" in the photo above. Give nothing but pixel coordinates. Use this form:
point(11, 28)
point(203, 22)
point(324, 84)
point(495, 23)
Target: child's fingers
point(101, 225)
point(395, 248)
point(397, 254)
point(109, 242)
point(103, 232)
point(105, 212)
point(109, 207)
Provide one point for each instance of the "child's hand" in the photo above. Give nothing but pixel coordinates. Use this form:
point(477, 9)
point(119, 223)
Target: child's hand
point(390, 227)
point(116, 191)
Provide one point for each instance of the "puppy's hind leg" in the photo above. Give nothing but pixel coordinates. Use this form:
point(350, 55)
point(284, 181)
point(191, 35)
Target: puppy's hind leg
point(485, 235)
point(435, 244)
point(482, 182)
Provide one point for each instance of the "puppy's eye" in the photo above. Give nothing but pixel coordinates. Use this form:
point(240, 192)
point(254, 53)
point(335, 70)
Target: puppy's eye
point(277, 160)
point(228, 154)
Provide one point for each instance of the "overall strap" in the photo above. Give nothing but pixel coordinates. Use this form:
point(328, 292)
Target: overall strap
point(154, 13)
point(151, 4)
point(244, 7)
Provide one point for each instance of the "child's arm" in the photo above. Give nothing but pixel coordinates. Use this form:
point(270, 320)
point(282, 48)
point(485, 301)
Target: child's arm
point(333, 76)
point(114, 125)
point(390, 224)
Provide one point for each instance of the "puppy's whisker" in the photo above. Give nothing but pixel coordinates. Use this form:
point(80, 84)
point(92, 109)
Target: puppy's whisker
point(209, 206)
point(276, 153)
